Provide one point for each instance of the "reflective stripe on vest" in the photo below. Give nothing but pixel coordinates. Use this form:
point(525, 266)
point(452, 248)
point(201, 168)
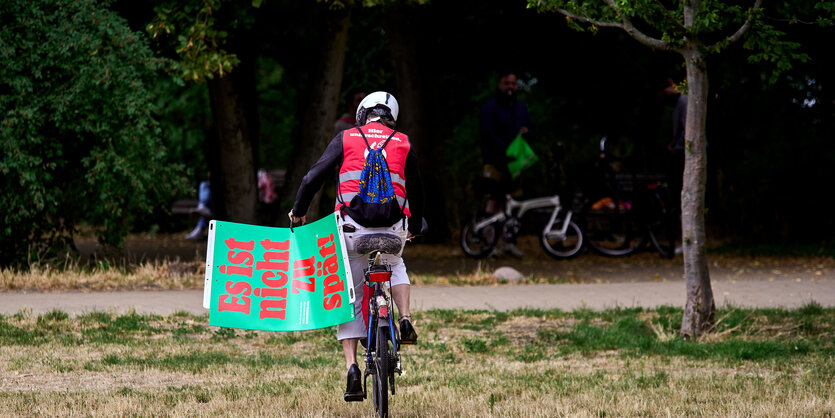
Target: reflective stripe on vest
point(354, 148)
point(355, 175)
point(346, 197)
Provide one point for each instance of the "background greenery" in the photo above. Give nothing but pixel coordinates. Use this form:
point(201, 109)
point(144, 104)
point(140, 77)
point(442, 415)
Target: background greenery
point(140, 139)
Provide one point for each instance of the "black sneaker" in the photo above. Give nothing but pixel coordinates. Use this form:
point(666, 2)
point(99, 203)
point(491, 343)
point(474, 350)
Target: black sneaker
point(353, 391)
point(407, 332)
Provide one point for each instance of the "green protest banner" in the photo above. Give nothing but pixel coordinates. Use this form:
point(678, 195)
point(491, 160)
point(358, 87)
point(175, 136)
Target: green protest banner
point(278, 279)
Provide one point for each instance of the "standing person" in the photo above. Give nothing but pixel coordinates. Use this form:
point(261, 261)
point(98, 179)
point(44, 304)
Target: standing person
point(348, 119)
point(501, 119)
point(376, 116)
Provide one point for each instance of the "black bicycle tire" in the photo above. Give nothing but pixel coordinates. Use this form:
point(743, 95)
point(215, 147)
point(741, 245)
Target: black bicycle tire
point(588, 218)
point(576, 249)
point(381, 365)
point(491, 244)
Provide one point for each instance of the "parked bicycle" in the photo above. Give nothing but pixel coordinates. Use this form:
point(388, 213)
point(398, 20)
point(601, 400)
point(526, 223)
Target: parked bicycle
point(560, 237)
point(382, 360)
point(630, 212)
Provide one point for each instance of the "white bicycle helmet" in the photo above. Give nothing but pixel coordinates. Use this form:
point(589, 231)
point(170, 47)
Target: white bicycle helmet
point(379, 100)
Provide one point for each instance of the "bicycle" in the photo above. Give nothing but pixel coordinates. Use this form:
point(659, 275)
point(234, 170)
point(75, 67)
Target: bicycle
point(560, 238)
point(630, 214)
point(382, 341)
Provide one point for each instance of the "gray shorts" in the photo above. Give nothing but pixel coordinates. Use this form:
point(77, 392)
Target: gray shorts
point(359, 262)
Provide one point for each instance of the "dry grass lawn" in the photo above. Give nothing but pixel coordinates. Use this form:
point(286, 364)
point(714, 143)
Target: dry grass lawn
point(522, 364)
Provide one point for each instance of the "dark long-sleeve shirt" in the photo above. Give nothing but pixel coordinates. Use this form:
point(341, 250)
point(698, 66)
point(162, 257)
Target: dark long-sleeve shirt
point(329, 164)
point(499, 123)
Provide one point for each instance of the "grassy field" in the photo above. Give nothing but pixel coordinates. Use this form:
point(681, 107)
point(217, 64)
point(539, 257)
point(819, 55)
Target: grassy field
point(623, 362)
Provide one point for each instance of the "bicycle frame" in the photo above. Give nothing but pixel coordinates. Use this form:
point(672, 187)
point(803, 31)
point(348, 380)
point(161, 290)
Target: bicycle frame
point(377, 281)
point(520, 207)
point(379, 304)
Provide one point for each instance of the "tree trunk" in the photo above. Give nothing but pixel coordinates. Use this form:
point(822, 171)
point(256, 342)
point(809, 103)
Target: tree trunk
point(237, 170)
point(401, 27)
point(699, 308)
point(321, 113)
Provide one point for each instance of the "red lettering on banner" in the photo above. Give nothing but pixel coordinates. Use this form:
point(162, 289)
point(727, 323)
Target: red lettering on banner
point(325, 249)
point(333, 284)
point(332, 302)
point(272, 308)
point(236, 270)
point(304, 268)
point(268, 278)
point(230, 303)
point(276, 263)
point(276, 245)
point(241, 257)
point(240, 245)
point(330, 266)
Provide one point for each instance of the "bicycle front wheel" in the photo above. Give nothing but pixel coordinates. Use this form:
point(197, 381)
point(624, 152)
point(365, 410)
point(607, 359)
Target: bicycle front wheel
point(562, 246)
point(381, 364)
point(612, 233)
point(478, 243)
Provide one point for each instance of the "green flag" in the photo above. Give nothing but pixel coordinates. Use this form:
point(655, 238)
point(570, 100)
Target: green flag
point(278, 279)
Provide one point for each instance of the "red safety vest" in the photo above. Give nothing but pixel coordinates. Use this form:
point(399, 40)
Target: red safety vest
point(354, 152)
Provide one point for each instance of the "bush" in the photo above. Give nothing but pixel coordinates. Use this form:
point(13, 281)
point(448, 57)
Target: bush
point(80, 143)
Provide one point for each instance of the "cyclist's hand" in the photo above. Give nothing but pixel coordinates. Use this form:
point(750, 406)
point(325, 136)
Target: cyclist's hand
point(410, 236)
point(295, 219)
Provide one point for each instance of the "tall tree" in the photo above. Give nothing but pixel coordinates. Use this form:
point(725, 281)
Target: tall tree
point(322, 101)
point(403, 28)
point(205, 41)
point(695, 29)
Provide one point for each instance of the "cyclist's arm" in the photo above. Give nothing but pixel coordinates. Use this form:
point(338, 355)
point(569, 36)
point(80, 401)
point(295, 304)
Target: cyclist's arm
point(414, 191)
point(315, 177)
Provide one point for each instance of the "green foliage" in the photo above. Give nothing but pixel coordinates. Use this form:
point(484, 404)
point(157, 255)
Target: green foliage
point(184, 118)
point(192, 30)
point(80, 143)
point(713, 25)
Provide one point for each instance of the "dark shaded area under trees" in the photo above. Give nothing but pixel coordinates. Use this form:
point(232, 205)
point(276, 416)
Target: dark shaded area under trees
point(771, 149)
point(768, 151)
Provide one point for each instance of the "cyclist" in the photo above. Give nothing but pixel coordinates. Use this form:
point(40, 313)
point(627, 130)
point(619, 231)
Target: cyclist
point(376, 116)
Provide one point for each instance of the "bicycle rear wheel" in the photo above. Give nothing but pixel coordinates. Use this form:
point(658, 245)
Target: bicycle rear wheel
point(613, 233)
point(479, 243)
point(381, 377)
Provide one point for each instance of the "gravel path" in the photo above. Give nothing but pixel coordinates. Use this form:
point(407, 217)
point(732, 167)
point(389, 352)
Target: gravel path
point(789, 293)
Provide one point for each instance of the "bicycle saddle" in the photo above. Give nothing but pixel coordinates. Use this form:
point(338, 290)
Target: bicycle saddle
point(384, 243)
